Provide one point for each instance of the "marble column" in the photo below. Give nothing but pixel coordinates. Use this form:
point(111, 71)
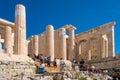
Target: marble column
point(99, 46)
point(8, 40)
point(79, 50)
point(50, 41)
point(71, 43)
point(110, 42)
point(31, 47)
point(20, 42)
point(36, 45)
point(0, 45)
point(104, 46)
point(62, 43)
point(88, 49)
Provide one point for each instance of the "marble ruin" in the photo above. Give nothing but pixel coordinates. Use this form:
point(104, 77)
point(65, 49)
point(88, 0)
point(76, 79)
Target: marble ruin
point(13, 35)
point(93, 44)
point(62, 43)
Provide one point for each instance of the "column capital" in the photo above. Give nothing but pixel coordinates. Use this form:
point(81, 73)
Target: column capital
point(49, 27)
point(69, 27)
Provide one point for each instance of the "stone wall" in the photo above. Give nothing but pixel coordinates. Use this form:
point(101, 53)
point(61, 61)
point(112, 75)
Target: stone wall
point(96, 43)
point(15, 65)
point(16, 68)
point(106, 63)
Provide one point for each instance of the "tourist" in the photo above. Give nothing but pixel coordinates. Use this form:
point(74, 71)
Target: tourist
point(55, 63)
point(34, 57)
point(40, 56)
point(93, 68)
point(98, 71)
point(48, 61)
point(42, 66)
point(45, 59)
point(89, 68)
point(62, 64)
point(73, 64)
point(81, 64)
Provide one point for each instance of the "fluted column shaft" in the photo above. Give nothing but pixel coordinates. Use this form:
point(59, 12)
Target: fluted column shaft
point(71, 44)
point(20, 43)
point(0, 45)
point(62, 42)
point(8, 40)
point(88, 50)
point(50, 41)
point(36, 45)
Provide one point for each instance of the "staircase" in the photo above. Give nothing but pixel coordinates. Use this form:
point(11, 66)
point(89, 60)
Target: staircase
point(48, 69)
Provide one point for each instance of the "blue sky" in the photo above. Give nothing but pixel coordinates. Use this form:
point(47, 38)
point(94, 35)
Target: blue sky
point(84, 14)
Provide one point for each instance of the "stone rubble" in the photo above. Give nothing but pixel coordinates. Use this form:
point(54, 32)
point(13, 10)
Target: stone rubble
point(72, 75)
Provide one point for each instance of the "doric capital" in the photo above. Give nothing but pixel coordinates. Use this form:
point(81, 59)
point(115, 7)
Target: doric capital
point(69, 27)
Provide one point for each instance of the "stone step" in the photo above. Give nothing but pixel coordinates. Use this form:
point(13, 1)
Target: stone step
point(52, 69)
point(48, 69)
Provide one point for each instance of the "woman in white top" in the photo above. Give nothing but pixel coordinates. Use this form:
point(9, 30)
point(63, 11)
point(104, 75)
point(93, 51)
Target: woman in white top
point(42, 67)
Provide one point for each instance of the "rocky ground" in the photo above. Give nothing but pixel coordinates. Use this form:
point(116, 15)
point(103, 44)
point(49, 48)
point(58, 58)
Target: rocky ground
point(68, 75)
point(16, 70)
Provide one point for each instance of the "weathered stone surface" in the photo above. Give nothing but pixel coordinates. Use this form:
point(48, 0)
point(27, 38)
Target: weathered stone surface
point(20, 42)
point(15, 65)
point(105, 63)
point(91, 45)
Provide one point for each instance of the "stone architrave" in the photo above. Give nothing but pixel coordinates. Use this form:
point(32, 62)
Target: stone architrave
point(50, 41)
point(20, 43)
point(71, 43)
point(62, 43)
point(0, 45)
point(8, 40)
point(36, 45)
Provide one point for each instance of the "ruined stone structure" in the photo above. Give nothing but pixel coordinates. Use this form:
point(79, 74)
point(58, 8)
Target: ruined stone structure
point(93, 44)
point(14, 59)
point(53, 43)
point(96, 43)
point(106, 63)
point(13, 35)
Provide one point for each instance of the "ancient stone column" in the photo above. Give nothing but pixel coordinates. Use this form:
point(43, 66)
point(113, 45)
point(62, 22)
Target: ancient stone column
point(50, 41)
point(89, 55)
point(20, 43)
point(104, 46)
point(8, 40)
point(79, 51)
point(31, 47)
point(0, 45)
point(110, 42)
point(71, 43)
point(36, 45)
point(88, 49)
point(110, 35)
point(42, 44)
point(99, 46)
point(62, 43)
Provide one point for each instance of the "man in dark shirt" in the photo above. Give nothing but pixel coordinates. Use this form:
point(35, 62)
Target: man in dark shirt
point(81, 64)
point(48, 61)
